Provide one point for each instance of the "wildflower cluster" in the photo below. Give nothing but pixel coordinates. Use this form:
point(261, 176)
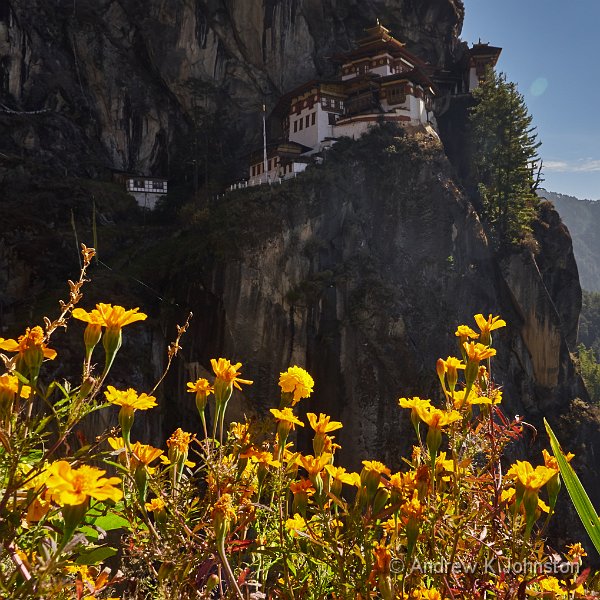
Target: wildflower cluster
point(236, 510)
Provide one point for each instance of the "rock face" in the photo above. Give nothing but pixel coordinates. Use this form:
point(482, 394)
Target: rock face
point(358, 270)
point(122, 82)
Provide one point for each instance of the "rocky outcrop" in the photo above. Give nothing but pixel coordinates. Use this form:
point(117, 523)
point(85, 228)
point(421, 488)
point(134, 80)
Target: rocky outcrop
point(121, 83)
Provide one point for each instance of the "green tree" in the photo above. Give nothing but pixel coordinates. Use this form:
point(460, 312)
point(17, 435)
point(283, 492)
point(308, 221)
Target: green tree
point(506, 162)
point(590, 371)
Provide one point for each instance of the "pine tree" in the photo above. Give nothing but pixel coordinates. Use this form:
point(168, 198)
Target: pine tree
point(506, 162)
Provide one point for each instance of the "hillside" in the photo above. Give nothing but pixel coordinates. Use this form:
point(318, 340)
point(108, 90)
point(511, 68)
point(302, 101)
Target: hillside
point(582, 217)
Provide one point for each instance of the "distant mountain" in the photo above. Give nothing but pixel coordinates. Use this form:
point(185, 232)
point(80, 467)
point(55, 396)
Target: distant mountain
point(582, 217)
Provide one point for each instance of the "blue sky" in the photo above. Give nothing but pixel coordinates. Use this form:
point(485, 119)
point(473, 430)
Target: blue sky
point(550, 50)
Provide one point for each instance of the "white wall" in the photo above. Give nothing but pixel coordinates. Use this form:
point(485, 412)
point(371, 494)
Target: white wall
point(312, 135)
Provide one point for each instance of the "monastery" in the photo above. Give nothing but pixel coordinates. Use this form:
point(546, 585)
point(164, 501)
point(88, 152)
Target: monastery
point(379, 81)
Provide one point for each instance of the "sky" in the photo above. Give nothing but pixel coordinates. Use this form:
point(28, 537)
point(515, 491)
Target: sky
point(550, 50)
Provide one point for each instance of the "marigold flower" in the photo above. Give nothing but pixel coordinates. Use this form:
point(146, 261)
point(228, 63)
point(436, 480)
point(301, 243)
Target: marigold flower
point(200, 385)
point(228, 373)
point(143, 454)
point(155, 505)
point(464, 331)
point(297, 382)
point(10, 387)
point(551, 462)
point(383, 558)
point(477, 352)
point(575, 552)
point(323, 424)
point(287, 416)
point(314, 465)
point(31, 350)
point(531, 479)
point(341, 474)
point(423, 593)
point(129, 399)
point(72, 487)
point(180, 440)
point(486, 326)
point(111, 317)
point(297, 523)
point(370, 476)
point(450, 368)
point(436, 418)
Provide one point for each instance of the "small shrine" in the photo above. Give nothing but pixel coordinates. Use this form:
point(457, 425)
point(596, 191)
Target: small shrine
point(146, 190)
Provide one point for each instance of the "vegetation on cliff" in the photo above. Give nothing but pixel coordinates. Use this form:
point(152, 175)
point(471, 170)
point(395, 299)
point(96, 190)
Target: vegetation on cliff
point(241, 511)
point(505, 155)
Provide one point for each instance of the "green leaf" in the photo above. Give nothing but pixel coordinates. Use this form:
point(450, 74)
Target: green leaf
point(579, 497)
point(95, 556)
point(111, 521)
point(89, 532)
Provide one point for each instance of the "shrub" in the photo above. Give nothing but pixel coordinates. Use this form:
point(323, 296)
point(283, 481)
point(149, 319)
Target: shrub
point(239, 512)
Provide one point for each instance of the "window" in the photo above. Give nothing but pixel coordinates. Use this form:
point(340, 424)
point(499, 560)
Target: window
point(307, 121)
point(295, 126)
point(157, 185)
point(253, 170)
point(301, 121)
point(314, 118)
point(269, 166)
point(138, 183)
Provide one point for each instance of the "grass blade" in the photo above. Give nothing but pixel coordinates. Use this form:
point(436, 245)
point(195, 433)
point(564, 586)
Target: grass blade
point(579, 497)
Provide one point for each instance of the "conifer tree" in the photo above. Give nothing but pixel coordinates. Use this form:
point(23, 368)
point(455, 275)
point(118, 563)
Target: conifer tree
point(506, 162)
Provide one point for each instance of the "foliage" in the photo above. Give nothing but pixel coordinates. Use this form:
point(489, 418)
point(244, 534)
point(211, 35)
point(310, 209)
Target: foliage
point(241, 513)
point(505, 158)
point(579, 497)
point(589, 321)
point(590, 371)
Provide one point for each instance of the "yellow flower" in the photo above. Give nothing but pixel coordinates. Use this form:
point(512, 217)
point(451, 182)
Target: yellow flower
point(296, 381)
point(551, 462)
point(464, 331)
point(478, 352)
point(129, 399)
point(31, 350)
point(383, 558)
point(314, 465)
point(287, 416)
point(414, 403)
point(260, 456)
point(180, 440)
point(436, 418)
point(377, 467)
point(531, 479)
point(144, 454)
point(72, 487)
point(297, 523)
point(341, 474)
point(200, 386)
point(227, 372)
point(155, 505)
point(422, 593)
point(486, 326)
point(450, 368)
point(9, 388)
point(322, 424)
point(576, 552)
point(111, 317)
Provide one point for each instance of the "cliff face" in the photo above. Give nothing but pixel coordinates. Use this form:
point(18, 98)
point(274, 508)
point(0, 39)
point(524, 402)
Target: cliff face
point(119, 84)
point(358, 270)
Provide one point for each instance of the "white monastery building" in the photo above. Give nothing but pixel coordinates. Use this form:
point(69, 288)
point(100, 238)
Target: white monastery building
point(146, 190)
point(380, 81)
